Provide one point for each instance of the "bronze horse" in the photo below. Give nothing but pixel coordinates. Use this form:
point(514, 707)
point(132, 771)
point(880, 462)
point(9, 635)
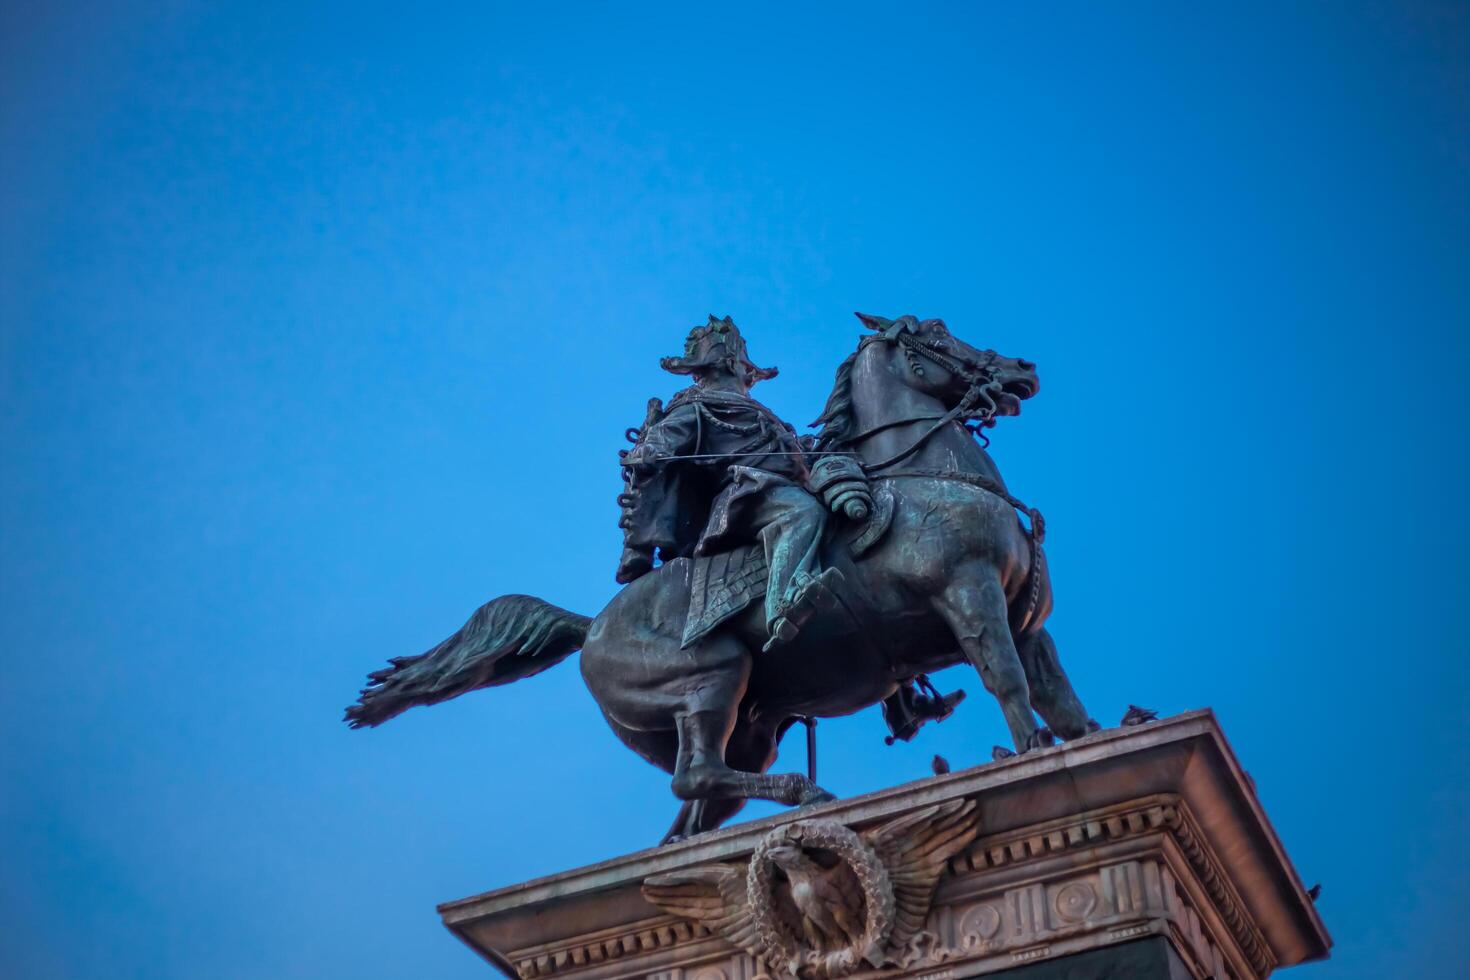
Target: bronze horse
point(956, 577)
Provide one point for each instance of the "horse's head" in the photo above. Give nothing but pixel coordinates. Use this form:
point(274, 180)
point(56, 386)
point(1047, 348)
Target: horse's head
point(935, 361)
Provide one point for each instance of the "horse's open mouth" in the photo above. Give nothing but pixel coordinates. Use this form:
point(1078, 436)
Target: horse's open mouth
point(1012, 393)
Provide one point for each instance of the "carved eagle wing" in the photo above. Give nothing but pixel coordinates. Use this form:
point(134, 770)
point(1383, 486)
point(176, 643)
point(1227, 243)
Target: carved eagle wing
point(915, 848)
point(713, 895)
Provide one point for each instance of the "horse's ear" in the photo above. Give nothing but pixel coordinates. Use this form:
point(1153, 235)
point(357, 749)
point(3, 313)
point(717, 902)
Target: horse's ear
point(873, 322)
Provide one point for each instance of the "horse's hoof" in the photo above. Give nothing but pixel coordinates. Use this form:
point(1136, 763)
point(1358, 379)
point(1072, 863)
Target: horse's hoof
point(672, 839)
point(814, 796)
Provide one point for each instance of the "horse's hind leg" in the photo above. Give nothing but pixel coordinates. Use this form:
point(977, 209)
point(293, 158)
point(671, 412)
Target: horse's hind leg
point(684, 823)
point(1051, 692)
point(973, 604)
point(752, 749)
point(703, 774)
point(705, 725)
point(662, 749)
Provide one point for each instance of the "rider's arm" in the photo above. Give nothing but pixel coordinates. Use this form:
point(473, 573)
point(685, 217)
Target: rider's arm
point(676, 434)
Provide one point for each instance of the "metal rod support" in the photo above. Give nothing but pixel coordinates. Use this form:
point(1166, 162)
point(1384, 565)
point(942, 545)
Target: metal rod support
point(811, 747)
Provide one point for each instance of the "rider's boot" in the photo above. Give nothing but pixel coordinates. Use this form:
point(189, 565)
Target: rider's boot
point(807, 601)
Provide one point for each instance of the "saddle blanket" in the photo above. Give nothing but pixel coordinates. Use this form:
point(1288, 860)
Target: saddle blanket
point(722, 586)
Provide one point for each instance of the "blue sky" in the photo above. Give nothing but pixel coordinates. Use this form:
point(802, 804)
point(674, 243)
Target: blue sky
point(319, 328)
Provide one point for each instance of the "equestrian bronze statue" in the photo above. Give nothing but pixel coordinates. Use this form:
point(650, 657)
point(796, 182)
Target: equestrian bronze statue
point(771, 577)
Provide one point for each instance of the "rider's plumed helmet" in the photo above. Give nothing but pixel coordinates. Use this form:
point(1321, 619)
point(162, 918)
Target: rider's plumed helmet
point(716, 342)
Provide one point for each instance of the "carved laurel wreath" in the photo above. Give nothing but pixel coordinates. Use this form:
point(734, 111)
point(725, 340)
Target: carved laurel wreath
point(871, 875)
point(894, 869)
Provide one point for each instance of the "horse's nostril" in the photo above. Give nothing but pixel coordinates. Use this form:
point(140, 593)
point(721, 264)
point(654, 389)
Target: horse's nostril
point(1025, 365)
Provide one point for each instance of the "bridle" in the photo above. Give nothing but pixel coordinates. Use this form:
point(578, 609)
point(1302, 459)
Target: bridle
point(975, 410)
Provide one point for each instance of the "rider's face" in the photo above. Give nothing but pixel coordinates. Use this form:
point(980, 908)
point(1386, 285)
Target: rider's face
point(727, 374)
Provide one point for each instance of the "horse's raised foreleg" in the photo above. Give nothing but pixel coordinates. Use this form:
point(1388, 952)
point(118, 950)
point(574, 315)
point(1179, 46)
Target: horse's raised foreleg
point(1051, 692)
point(973, 604)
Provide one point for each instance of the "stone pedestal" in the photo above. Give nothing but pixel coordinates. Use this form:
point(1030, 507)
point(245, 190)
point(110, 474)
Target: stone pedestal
point(1137, 852)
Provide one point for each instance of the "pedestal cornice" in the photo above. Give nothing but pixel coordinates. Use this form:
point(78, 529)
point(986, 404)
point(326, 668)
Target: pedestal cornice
point(1126, 834)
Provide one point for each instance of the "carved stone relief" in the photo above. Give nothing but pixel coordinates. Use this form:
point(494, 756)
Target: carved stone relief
point(818, 900)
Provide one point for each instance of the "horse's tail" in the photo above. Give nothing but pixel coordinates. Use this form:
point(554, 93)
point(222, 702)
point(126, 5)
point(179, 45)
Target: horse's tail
point(506, 639)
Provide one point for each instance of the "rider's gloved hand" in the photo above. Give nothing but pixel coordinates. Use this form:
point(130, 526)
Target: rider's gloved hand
point(854, 501)
point(841, 484)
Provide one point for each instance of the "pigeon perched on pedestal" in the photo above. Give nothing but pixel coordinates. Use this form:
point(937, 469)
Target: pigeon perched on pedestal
point(1135, 716)
point(940, 765)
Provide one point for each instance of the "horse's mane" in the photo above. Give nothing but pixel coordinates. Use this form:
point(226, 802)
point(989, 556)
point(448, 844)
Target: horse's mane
point(836, 419)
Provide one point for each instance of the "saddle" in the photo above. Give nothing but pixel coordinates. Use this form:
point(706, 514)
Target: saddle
point(724, 585)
